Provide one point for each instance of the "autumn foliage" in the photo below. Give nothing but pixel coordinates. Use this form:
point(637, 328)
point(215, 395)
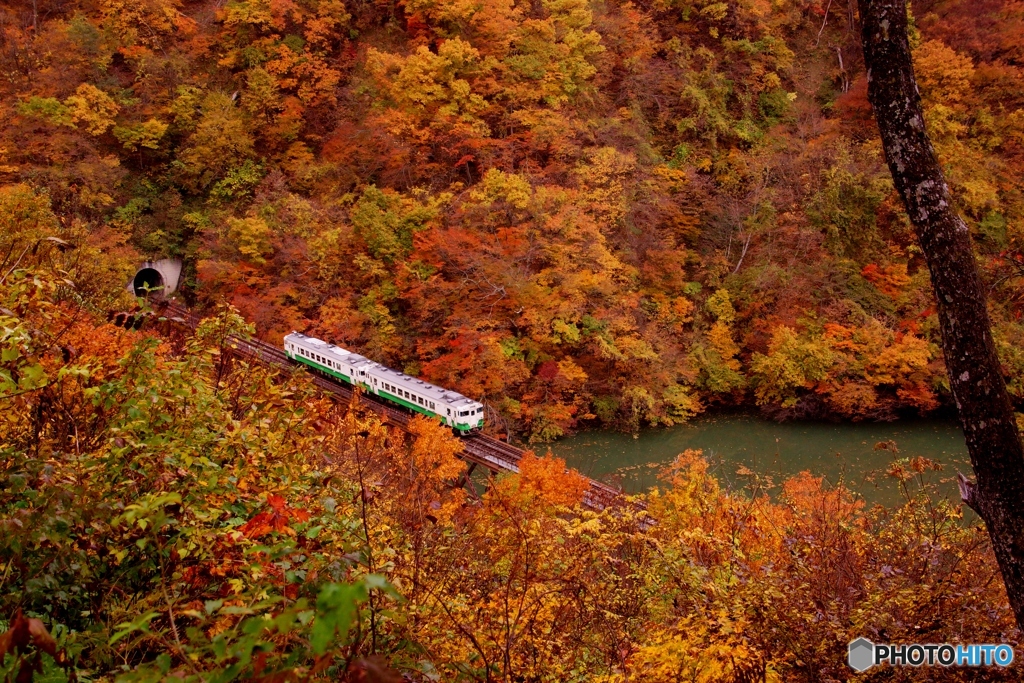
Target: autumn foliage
point(577, 213)
point(172, 511)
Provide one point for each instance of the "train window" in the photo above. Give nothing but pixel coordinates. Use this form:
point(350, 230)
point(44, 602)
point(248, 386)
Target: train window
point(432, 405)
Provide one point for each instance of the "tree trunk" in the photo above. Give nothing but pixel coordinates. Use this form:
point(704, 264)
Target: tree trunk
point(973, 366)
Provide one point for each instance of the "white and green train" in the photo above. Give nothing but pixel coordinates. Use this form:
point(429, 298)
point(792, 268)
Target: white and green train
point(455, 410)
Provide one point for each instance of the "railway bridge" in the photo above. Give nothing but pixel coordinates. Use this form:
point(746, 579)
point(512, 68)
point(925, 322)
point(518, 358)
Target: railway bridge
point(479, 450)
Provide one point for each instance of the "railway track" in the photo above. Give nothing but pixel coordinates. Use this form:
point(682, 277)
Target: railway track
point(480, 450)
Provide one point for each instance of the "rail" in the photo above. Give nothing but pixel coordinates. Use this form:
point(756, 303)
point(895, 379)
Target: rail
point(481, 450)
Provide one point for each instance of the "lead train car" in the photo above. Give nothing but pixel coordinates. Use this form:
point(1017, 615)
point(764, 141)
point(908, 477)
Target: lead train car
point(455, 410)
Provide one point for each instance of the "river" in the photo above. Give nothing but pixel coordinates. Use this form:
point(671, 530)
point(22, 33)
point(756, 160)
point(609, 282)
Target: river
point(839, 452)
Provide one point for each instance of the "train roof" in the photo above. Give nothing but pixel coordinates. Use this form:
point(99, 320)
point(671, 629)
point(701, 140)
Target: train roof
point(327, 348)
point(407, 382)
point(422, 388)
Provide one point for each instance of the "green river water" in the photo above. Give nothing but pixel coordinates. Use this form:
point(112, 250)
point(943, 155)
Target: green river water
point(838, 452)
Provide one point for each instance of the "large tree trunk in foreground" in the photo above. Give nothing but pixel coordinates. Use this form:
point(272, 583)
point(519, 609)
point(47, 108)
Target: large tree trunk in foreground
point(971, 361)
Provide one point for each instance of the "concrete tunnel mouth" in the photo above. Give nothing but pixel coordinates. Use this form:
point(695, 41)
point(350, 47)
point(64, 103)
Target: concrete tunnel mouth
point(147, 278)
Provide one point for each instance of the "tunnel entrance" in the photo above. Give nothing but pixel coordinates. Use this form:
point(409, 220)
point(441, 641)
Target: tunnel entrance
point(147, 278)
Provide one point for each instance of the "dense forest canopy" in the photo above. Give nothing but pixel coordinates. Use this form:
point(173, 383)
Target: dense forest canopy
point(577, 212)
point(168, 513)
point(573, 211)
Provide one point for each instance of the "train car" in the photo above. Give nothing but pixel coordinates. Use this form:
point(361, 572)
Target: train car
point(462, 414)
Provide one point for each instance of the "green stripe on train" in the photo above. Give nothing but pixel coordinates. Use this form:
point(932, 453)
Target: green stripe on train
point(414, 406)
point(329, 371)
point(420, 409)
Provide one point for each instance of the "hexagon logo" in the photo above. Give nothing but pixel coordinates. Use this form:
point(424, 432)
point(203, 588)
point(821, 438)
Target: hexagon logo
point(862, 654)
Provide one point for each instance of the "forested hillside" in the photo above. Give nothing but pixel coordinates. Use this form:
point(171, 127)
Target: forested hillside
point(574, 211)
point(170, 513)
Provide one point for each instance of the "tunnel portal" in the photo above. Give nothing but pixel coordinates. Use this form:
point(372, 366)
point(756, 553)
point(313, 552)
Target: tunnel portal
point(146, 280)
